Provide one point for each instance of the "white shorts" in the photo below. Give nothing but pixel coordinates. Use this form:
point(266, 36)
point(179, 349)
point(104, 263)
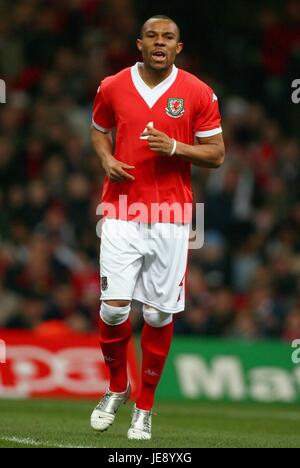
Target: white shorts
point(144, 262)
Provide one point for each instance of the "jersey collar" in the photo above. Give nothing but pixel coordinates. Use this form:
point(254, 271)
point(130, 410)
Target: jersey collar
point(151, 95)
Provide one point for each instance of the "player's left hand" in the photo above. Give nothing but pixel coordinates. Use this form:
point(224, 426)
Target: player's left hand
point(158, 141)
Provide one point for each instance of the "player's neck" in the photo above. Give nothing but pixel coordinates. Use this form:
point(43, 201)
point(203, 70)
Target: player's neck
point(153, 77)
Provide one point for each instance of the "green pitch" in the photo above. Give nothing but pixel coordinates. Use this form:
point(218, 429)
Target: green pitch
point(42, 423)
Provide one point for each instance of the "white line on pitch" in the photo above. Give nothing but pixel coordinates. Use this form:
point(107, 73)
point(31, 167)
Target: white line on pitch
point(36, 443)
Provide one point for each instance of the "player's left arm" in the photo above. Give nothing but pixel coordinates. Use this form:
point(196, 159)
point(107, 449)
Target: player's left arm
point(209, 152)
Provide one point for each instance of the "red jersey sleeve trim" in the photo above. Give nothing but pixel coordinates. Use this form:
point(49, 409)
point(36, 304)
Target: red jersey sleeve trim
point(99, 128)
point(102, 112)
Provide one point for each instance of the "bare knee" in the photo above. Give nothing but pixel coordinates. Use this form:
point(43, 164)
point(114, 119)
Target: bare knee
point(117, 303)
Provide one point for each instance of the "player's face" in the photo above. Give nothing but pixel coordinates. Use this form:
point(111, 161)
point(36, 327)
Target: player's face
point(159, 44)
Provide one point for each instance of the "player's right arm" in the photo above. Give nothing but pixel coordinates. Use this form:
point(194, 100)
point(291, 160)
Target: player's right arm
point(114, 169)
point(103, 122)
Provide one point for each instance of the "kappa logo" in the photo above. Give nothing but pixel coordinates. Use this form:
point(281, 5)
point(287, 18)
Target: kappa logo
point(181, 286)
point(175, 107)
point(104, 284)
point(108, 358)
point(151, 373)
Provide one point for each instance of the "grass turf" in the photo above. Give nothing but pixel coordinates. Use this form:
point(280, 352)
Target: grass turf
point(59, 423)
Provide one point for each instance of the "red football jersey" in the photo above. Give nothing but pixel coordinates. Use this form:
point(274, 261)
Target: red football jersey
point(182, 106)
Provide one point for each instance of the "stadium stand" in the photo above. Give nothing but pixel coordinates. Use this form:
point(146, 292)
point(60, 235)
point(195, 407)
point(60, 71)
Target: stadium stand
point(245, 282)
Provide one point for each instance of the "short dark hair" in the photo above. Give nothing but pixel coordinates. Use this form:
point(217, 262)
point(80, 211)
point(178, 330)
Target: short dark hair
point(162, 17)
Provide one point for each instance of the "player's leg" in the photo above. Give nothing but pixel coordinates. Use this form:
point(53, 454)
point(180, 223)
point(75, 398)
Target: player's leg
point(161, 286)
point(120, 263)
point(115, 333)
point(156, 341)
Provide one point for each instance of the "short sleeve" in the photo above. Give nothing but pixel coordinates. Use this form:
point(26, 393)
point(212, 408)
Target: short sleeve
point(207, 120)
point(103, 116)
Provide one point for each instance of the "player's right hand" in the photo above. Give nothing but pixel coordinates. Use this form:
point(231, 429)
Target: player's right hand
point(115, 170)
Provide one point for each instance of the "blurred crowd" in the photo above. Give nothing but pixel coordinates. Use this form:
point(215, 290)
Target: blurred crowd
point(245, 281)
